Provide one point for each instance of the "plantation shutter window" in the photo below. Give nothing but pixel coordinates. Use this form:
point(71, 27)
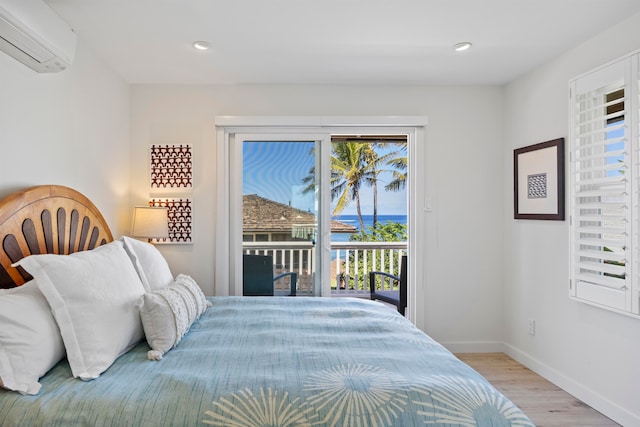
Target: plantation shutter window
point(604, 186)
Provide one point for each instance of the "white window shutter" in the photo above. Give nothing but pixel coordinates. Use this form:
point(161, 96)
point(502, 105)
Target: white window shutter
point(604, 184)
point(634, 136)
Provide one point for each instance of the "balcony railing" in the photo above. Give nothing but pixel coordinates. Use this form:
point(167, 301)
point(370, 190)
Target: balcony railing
point(350, 263)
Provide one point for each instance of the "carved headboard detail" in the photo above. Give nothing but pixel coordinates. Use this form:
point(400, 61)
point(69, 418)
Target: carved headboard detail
point(47, 219)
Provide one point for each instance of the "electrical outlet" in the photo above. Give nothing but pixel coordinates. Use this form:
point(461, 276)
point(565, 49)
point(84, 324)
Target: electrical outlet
point(532, 327)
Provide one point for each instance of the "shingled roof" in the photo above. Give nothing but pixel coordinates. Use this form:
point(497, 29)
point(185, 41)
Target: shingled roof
point(260, 215)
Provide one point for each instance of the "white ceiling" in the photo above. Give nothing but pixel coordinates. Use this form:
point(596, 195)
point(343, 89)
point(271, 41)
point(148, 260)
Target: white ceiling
point(335, 41)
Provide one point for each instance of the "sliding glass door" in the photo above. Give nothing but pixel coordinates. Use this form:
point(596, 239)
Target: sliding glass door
point(283, 208)
point(369, 207)
point(277, 190)
point(280, 211)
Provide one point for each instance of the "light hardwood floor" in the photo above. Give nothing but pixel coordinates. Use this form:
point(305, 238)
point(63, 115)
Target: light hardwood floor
point(544, 403)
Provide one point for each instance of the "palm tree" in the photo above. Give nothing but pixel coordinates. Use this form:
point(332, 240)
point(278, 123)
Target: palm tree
point(399, 165)
point(349, 170)
point(354, 163)
point(390, 159)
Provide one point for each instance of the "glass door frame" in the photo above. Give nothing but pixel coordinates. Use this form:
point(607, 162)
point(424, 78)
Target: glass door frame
point(228, 237)
point(323, 145)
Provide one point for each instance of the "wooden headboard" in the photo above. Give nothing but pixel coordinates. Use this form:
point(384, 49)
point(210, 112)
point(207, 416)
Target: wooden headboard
point(47, 219)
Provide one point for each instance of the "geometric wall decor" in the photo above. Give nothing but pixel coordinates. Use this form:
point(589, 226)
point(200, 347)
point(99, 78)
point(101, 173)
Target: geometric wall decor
point(538, 181)
point(537, 186)
point(180, 219)
point(171, 166)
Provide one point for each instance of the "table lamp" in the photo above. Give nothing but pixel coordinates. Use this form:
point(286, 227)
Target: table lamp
point(150, 222)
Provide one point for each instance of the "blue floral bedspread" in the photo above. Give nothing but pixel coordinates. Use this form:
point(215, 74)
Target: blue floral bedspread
point(277, 361)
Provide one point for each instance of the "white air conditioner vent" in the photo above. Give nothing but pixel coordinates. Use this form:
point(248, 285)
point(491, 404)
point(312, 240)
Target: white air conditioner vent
point(35, 35)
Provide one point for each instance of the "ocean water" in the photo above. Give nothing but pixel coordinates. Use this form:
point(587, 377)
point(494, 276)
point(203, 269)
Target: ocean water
point(368, 221)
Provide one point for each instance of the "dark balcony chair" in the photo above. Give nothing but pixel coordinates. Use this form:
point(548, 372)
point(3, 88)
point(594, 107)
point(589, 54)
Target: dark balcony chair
point(257, 276)
point(397, 298)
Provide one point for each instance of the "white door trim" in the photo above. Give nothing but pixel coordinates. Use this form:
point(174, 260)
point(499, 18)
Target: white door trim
point(227, 127)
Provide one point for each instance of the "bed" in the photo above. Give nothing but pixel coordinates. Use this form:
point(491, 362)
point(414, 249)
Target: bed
point(221, 361)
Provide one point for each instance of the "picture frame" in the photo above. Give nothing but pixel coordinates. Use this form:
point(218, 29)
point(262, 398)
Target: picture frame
point(180, 212)
point(539, 181)
point(171, 167)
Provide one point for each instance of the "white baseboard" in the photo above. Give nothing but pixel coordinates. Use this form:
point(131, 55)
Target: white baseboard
point(590, 397)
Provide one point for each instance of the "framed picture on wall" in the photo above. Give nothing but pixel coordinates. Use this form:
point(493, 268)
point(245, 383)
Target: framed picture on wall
point(538, 175)
point(171, 166)
point(180, 219)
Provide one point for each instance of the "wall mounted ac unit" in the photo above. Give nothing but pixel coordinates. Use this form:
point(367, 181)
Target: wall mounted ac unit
point(32, 33)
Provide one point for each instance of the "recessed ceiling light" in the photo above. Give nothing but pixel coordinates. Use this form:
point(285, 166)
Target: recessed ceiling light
point(202, 45)
point(459, 47)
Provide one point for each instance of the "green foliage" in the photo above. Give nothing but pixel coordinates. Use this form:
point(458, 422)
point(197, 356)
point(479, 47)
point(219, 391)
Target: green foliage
point(387, 232)
point(618, 263)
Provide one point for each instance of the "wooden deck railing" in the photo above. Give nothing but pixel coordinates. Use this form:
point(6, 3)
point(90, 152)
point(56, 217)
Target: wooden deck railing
point(350, 263)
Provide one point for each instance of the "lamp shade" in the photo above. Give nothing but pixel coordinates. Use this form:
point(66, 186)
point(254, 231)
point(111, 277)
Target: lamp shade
point(150, 222)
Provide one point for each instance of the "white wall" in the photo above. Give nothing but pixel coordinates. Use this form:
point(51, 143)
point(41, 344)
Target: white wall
point(462, 296)
point(69, 128)
point(590, 352)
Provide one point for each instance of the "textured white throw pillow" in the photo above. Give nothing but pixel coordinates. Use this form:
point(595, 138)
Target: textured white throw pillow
point(151, 266)
point(30, 341)
point(93, 296)
point(167, 314)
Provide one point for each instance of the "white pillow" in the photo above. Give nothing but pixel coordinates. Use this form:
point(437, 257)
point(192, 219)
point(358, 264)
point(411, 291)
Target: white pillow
point(167, 314)
point(93, 296)
point(30, 341)
point(151, 266)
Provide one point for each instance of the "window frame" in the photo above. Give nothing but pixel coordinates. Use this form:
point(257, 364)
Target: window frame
point(604, 277)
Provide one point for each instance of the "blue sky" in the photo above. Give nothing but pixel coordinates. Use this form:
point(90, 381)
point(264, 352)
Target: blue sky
point(275, 170)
